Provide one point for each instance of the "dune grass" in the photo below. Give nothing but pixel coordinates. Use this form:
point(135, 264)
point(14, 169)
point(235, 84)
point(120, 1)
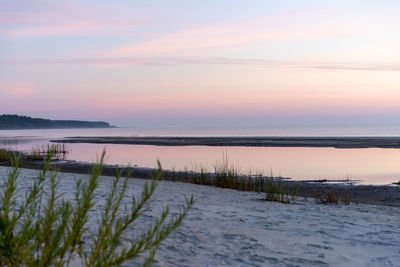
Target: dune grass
point(228, 175)
point(40, 152)
point(41, 228)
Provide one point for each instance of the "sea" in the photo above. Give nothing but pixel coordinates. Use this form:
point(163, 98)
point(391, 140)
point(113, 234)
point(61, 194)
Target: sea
point(376, 166)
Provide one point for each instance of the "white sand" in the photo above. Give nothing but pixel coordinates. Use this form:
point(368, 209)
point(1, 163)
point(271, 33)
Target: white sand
point(233, 228)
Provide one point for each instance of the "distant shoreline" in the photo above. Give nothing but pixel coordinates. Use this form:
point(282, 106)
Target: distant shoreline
point(335, 142)
point(58, 128)
point(16, 122)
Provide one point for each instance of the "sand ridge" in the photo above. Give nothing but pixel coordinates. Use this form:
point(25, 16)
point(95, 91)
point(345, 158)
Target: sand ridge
point(337, 142)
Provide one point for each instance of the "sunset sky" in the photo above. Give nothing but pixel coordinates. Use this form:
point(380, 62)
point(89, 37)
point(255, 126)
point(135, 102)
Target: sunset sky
point(202, 63)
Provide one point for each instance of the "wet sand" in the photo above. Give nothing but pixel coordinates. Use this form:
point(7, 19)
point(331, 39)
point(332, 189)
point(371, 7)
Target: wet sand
point(336, 142)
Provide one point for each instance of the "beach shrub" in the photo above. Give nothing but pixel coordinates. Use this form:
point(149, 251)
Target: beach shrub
point(43, 229)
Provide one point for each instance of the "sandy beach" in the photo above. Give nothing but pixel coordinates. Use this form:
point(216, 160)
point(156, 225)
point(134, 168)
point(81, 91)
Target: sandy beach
point(281, 119)
point(337, 142)
point(233, 228)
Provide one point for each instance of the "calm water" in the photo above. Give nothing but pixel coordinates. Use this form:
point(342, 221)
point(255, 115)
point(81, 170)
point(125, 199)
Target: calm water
point(339, 130)
point(372, 165)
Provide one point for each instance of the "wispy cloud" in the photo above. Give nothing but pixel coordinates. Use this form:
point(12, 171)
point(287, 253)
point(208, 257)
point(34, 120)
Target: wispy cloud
point(259, 63)
point(78, 29)
point(225, 35)
point(291, 25)
point(69, 18)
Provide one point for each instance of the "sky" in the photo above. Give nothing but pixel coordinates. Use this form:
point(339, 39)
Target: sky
point(202, 63)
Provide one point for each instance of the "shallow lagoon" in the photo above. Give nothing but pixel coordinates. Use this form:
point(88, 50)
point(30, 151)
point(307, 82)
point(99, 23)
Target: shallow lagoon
point(370, 165)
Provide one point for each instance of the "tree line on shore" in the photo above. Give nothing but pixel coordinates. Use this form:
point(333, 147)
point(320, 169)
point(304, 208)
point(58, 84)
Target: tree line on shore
point(8, 121)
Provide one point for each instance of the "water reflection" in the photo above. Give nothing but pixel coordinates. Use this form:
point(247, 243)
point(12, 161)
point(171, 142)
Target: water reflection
point(8, 141)
point(372, 165)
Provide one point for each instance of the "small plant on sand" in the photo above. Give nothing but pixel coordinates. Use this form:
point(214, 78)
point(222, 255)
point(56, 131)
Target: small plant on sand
point(42, 229)
point(276, 192)
point(346, 198)
point(5, 155)
point(398, 192)
point(333, 197)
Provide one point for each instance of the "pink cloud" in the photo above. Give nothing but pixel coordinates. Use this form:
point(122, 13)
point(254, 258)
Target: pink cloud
point(16, 89)
point(228, 103)
point(239, 102)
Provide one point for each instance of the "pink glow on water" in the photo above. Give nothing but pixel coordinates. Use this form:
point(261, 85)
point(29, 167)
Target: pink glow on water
point(372, 166)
